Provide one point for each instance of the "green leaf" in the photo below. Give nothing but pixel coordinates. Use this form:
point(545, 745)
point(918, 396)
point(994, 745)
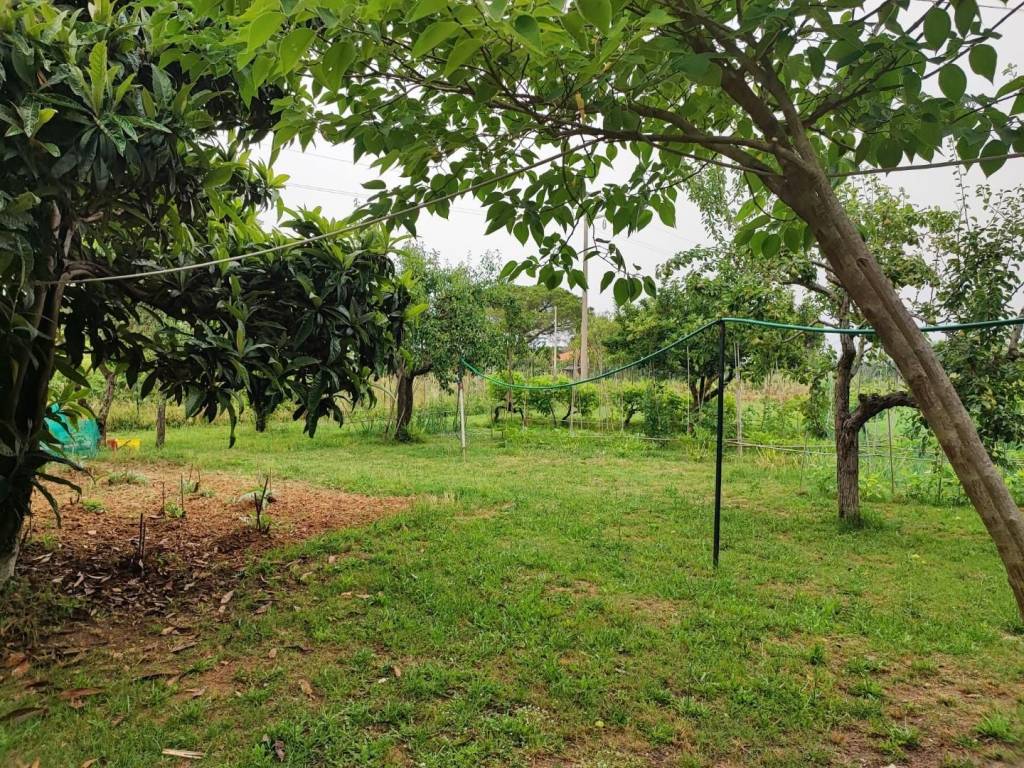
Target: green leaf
point(426, 8)
point(992, 150)
point(262, 28)
point(597, 12)
point(97, 76)
point(461, 53)
point(219, 176)
point(336, 62)
point(294, 47)
point(889, 153)
point(606, 280)
point(965, 14)
point(621, 290)
point(983, 60)
point(937, 27)
point(528, 29)
point(496, 8)
point(433, 36)
point(952, 82)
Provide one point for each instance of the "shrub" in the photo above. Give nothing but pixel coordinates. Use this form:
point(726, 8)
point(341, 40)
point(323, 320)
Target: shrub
point(663, 411)
point(546, 400)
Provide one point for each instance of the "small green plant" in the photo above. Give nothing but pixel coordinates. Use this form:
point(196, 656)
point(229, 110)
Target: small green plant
point(816, 657)
point(92, 505)
point(190, 485)
point(173, 510)
point(900, 738)
point(126, 477)
point(996, 726)
point(261, 497)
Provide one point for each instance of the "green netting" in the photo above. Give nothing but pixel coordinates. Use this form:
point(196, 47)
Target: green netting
point(862, 331)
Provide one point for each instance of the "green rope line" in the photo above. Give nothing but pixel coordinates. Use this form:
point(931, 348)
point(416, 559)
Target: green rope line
point(865, 331)
point(566, 385)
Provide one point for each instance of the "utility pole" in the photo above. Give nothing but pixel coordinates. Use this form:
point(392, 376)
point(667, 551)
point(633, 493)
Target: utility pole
point(554, 345)
point(585, 317)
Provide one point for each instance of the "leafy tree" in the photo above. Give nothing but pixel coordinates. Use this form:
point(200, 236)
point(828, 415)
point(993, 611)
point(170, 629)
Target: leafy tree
point(450, 322)
point(981, 265)
point(125, 153)
point(897, 233)
point(793, 95)
point(711, 287)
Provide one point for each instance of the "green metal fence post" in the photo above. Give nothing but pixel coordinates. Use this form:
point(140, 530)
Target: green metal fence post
point(720, 447)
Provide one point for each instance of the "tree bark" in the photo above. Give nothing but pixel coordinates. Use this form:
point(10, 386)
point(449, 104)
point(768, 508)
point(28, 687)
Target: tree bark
point(161, 422)
point(108, 400)
point(847, 439)
point(261, 420)
point(810, 194)
point(403, 415)
point(10, 533)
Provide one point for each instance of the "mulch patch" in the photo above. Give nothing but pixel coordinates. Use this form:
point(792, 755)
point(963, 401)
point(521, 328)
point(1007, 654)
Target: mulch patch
point(189, 564)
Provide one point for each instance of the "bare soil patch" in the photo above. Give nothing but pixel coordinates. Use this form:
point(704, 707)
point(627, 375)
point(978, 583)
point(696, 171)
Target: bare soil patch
point(187, 563)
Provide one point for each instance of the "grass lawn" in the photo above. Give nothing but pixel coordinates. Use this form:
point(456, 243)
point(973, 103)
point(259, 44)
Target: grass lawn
point(551, 603)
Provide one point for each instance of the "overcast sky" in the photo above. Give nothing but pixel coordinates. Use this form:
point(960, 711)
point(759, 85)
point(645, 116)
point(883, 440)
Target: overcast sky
point(326, 176)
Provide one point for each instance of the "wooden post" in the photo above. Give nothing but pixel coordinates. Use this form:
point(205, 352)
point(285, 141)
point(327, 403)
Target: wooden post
point(554, 345)
point(739, 405)
point(462, 416)
point(892, 470)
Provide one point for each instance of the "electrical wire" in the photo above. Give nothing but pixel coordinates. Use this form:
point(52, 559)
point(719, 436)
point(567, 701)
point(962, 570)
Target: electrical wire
point(337, 232)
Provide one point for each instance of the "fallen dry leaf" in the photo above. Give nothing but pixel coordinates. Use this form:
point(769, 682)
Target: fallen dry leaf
point(183, 646)
point(14, 659)
point(227, 597)
point(22, 713)
point(195, 693)
point(21, 669)
point(272, 654)
point(78, 693)
point(306, 687)
point(187, 754)
point(90, 762)
point(396, 670)
point(279, 750)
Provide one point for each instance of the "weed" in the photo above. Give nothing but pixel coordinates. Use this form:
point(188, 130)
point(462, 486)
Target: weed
point(996, 726)
point(126, 477)
point(92, 505)
point(173, 510)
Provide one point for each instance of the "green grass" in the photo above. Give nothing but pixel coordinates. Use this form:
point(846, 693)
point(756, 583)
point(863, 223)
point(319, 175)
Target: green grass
point(550, 601)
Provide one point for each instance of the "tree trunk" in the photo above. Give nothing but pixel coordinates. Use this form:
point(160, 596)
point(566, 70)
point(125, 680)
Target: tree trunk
point(811, 195)
point(10, 532)
point(848, 473)
point(161, 422)
point(847, 436)
point(108, 400)
point(403, 416)
point(261, 420)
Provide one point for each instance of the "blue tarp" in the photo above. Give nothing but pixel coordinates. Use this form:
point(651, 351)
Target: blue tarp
point(82, 439)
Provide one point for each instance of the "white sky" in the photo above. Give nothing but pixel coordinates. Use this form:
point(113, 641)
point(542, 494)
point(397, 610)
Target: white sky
point(326, 176)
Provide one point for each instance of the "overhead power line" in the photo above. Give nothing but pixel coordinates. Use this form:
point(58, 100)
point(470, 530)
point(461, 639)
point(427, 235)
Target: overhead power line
point(337, 232)
point(472, 188)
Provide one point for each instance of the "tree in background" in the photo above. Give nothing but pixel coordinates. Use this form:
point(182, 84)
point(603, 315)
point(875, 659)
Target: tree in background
point(897, 234)
point(697, 286)
point(981, 269)
point(115, 164)
point(449, 322)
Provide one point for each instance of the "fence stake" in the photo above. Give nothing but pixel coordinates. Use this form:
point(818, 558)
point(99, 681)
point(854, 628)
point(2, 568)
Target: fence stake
point(720, 447)
point(462, 416)
point(892, 470)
